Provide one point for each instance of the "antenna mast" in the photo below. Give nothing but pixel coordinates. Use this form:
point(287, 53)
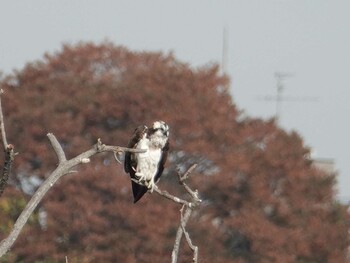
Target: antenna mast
point(224, 61)
point(280, 77)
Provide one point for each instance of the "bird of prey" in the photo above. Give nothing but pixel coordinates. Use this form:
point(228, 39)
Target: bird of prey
point(146, 168)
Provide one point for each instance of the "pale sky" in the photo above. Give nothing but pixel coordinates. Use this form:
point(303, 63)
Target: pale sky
point(309, 38)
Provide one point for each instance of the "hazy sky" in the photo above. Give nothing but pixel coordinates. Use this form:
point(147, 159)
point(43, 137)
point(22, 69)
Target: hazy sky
point(310, 38)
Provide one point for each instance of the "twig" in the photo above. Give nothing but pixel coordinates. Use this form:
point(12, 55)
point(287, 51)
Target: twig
point(64, 167)
point(186, 175)
point(183, 178)
point(116, 157)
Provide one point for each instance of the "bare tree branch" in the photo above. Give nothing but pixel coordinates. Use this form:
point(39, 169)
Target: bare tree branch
point(180, 231)
point(188, 206)
point(183, 178)
point(57, 148)
point(171, 197)
point(64, 167)
point(184, 220)
point(186, 175)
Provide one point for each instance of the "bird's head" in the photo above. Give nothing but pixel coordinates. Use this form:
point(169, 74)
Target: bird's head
point(161, 127)
point(159, 133)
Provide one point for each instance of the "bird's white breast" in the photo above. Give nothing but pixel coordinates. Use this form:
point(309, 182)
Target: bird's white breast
point(147, 162)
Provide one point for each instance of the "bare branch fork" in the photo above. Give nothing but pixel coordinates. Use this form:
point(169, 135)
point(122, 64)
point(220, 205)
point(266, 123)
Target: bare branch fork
point(185, 212)
point(64, 167)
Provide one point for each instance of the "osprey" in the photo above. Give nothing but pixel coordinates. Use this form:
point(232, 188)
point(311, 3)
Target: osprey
point(146, 168)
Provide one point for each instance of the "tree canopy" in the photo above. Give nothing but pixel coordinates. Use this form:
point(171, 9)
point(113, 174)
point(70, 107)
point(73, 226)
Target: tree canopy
point(263, 200)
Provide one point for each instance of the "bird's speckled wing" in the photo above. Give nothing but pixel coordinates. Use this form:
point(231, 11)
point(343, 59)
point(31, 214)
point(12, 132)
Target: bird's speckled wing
point(130, 163)
point(130, 160)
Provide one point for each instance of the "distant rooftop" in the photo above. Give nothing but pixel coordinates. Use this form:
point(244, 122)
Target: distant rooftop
point(325, 164)
point(344, 200)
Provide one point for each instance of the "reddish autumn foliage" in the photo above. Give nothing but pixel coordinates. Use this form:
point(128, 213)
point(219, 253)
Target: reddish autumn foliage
point(263, 201)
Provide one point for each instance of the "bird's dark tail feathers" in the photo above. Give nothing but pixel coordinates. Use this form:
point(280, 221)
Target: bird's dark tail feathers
point(138, 191)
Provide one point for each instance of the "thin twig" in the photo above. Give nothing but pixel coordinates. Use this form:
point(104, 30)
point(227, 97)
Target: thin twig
point(116, 157)
point(183, 178)
point(186, 175)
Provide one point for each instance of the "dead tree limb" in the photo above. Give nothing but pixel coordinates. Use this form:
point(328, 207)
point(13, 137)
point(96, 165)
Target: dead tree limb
point(185, 212)
point(64, 167)
point(184, 219)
